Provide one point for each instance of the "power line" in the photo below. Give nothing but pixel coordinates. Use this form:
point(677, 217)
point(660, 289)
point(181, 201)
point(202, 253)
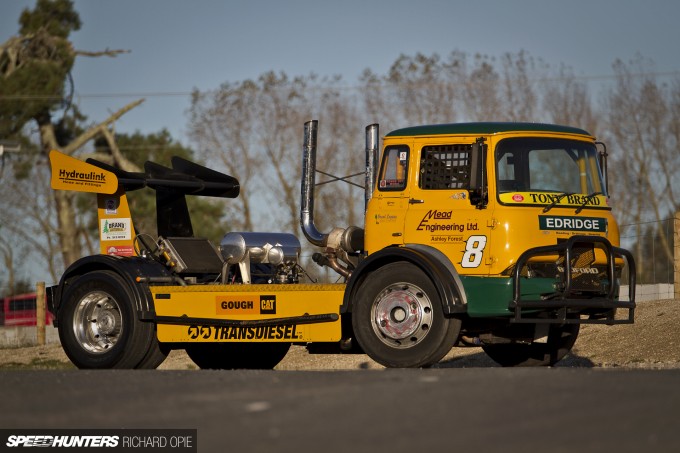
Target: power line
point(147, 94)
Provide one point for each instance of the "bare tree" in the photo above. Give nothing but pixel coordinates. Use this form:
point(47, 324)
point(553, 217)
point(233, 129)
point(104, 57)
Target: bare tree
point(223, 126)
point(643, 126)
point(566, 100)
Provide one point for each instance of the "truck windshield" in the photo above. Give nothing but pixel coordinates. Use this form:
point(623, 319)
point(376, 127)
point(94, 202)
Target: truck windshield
point(548, 165)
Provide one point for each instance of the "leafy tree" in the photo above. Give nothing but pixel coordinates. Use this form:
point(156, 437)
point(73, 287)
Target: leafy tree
point(36, 64)
point(35, 84)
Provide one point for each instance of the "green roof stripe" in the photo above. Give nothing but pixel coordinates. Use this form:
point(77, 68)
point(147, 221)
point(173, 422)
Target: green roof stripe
point(483, 128)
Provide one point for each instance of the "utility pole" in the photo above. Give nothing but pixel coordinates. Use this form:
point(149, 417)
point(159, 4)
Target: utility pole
point(676, 254)
point(7, 147)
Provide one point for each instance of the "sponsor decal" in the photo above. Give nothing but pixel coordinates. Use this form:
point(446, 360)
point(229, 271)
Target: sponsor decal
point(426, 223)
point(459, 196)
point(92, 178)
point(115, 229)
point(443, 239)
point(268, 305)
point(580, 270)
point(288, 332)
point(569, 223)
point(230, 305)
point(385, 183)
point(575, 199)
point(69, 173)
point(385, 218)
point(433, 214)
point(245, 305)
point(120, 250)
point(544, 199)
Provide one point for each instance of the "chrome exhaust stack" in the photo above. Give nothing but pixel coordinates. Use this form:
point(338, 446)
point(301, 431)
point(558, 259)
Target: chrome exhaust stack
point(341, 244)
point(310, 231)
point(372, 150)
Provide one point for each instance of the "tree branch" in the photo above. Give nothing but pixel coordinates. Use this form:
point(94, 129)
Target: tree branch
point(118, 157)
point(89, 134)
point(102, 53)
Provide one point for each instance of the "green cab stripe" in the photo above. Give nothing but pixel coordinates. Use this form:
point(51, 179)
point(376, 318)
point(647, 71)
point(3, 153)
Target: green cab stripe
point(483, 128)
point(491, 296)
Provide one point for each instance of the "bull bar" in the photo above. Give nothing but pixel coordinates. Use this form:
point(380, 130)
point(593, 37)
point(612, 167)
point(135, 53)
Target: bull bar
point(563, 301)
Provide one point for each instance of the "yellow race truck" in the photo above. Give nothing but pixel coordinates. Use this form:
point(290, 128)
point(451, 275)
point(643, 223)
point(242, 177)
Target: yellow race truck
point(495, 235)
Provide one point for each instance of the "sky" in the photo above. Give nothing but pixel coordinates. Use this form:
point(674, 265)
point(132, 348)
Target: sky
point(177, 46)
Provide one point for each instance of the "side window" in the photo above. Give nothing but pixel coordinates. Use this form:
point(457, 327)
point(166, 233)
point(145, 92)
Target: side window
point(445, 167)
point(508, 170)
point(394, 170)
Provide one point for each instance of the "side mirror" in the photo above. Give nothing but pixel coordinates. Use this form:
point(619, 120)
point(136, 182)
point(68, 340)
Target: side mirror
point(478, 184)
point(602, 158)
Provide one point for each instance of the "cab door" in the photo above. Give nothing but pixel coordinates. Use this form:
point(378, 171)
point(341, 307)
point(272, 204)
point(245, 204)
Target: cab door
point(386, 211)
point(443, 211)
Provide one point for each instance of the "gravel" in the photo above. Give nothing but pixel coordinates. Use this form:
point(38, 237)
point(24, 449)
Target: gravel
point(653, 341)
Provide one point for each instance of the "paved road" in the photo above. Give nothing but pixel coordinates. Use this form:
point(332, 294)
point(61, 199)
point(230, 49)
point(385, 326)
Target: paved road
point(489, 409)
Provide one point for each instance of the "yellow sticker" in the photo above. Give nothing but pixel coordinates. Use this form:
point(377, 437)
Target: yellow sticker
point(69, 173)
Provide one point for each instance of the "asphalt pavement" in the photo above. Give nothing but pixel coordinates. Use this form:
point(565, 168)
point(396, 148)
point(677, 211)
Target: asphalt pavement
point(485, 409)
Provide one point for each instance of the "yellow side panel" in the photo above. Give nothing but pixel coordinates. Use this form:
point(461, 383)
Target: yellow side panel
point(247, 303)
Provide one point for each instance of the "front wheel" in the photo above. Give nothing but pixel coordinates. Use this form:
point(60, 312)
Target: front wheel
point(561, 339)
point(98, 325)
point(398, 318)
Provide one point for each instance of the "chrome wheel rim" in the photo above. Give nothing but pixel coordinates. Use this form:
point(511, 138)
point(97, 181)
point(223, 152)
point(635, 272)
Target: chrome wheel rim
point(401, 315)
point(97, 322)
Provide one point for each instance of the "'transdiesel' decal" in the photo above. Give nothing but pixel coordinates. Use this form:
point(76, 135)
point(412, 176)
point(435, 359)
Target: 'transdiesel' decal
point(288, 332)
point(568, 223)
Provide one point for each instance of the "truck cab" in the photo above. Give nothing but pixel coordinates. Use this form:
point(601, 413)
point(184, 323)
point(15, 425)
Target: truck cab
point(519, 215)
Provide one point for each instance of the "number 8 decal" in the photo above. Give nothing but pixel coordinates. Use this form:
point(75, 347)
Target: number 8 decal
point(474, 249)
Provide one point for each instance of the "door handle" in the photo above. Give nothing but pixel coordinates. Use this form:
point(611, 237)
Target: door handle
point(414, 201)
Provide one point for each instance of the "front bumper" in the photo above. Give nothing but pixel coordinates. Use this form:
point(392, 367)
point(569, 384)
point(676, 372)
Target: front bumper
point(570, 304)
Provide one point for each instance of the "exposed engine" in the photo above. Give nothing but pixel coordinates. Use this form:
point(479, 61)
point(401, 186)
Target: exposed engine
point(261, 257)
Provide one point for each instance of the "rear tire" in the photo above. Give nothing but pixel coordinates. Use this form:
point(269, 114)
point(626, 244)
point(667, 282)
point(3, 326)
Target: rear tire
point(398, 319)
point(98, 324)
point(561, 339)
point(155, 356)
point(233, 356)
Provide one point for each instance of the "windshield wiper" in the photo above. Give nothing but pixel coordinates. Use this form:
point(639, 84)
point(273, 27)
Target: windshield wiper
point(557, 200)
point(586, 200)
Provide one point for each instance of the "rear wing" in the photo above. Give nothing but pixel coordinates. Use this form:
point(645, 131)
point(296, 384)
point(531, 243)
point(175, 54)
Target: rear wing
point(116, 230)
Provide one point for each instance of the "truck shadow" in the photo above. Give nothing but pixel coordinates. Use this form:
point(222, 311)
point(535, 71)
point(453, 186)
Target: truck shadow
point(469, 358)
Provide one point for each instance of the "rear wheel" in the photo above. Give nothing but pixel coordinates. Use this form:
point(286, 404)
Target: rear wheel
point(233, 356)
point(398, 319)
point(98, 325)
point(561, 339)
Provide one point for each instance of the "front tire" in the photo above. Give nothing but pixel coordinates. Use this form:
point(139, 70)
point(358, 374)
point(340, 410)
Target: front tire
point(561, 339)
point(98, 325)
point(398, 319)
